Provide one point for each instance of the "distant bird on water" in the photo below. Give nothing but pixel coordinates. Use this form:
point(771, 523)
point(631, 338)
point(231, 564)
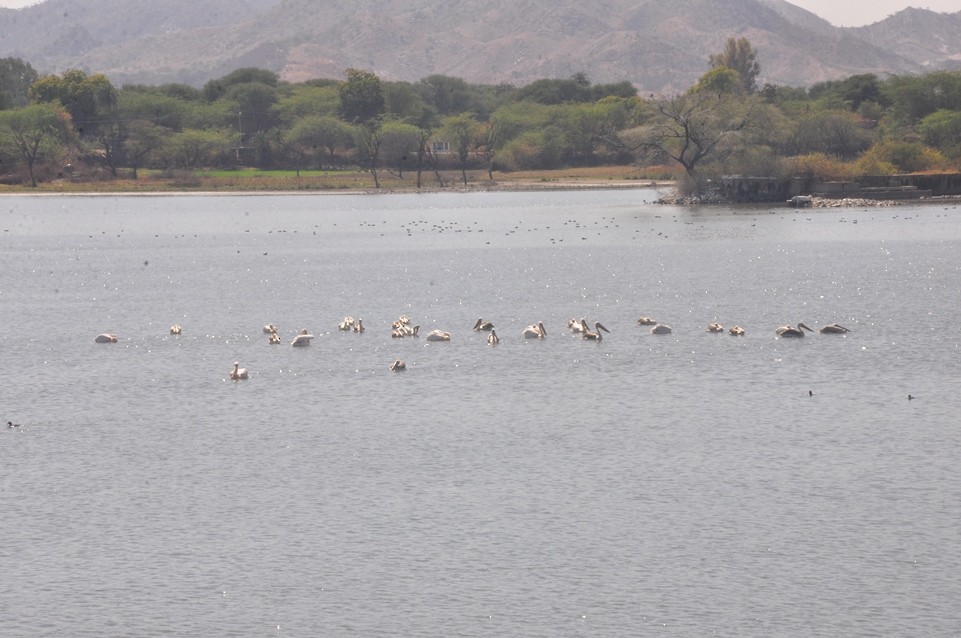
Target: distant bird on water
point(791, 331)
point(238, 373)
point(833, 328)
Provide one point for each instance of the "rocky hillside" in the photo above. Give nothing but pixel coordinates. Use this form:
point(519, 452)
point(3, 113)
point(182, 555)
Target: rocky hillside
point(659, 46)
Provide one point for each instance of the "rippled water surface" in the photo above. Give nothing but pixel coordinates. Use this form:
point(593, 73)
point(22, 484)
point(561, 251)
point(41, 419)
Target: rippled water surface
point(684, 484)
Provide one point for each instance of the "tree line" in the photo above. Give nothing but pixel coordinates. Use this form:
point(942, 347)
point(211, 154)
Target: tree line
point(724, 124)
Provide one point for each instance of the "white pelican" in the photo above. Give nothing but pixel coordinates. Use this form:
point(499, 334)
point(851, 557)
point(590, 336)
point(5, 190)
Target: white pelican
point(737, 331)
point(359, 325)
point(833, 329)
point(646, 321)
point(269, 328)
point(715, 327)
point(535, 331)
point(661, 329)
point(273, 339)
point(596, 335)
point(302, 339)
point(790, 331)
point(398, 366)
point(346, 324)
point(106, 338)
point(401, 331)
point(175, 329)
point(577, 326)
point(438, 335)
point(492, 338)
point(483, 325)
point(238, 373)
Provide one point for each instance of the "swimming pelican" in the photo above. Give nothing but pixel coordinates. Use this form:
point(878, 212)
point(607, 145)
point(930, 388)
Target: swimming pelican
point(715, 327)
point(238, 373)
point(359, 325)
point(398, 366)
point(438, 335)
point(535, 331)
point(483, 325)
point(302, 339)
point(492, 338)
point(273, 339)
point(790, 331)
point(346, 324)
point(646, 321)
point(661, 329)
point(106, 338)
point(596, 335)
point(400, 331)
point(833, 329)
point(577, 326)
point(269, 328)
point(737, 331)
point(175, 329)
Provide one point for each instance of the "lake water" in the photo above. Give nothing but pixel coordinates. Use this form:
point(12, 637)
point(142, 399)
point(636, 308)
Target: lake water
point(689, 484)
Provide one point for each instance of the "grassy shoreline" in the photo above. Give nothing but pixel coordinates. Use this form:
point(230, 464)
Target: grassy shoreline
point(333, 182)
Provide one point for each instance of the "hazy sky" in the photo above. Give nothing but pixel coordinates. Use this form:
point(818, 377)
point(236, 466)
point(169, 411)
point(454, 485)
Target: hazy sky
point(842, 13)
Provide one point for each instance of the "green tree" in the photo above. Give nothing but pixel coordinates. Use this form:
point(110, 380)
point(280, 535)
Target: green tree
point(304, 100)
point(399, 143)
point(461, 132)
point(143, 139)
point(721, 80)
point(253, 103)
point(913, 98)
point(942, 130)
point(16, 77)
point(852, 91)
point(362, 97)
point(216, 89)
point(192, 148)
point(838, 133)
point(740, 56)
point(447, 95)
point(88, 98)
point(36, 130)
point(312, 134)
point(368, 146)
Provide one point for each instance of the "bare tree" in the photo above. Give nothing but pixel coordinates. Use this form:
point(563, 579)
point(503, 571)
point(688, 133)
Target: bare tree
point(689, 128)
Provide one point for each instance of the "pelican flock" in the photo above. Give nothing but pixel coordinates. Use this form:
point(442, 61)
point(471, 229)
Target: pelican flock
point(402, 328)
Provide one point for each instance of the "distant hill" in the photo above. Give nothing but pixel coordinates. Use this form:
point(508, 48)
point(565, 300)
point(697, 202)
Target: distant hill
point(659, 46)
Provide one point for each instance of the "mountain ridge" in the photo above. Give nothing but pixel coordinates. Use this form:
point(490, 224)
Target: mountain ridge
point(658, 48)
